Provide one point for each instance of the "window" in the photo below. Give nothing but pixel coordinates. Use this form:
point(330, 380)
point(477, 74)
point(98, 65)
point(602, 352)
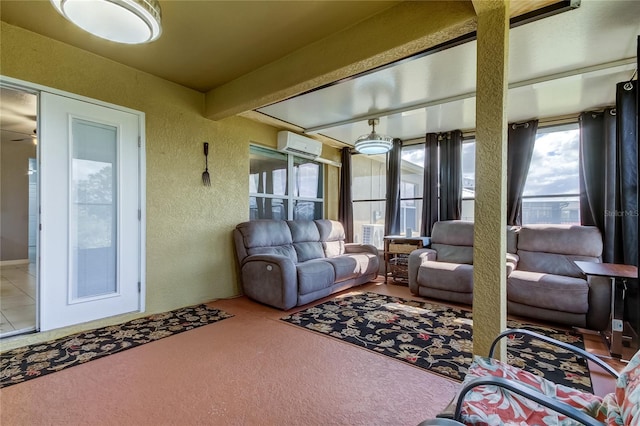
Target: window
point(468, 178)
point(552, 189)
point(412, 181)
point(283, 186)
point(368, 192)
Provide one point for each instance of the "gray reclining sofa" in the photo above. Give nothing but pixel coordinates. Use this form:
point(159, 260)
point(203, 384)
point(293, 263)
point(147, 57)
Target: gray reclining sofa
point(543, 282)
point(291, 263)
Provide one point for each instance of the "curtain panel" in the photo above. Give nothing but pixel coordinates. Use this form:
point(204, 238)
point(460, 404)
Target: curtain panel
point(627, 140)
point(430, 206)
point(520, 142)
point(450, 175)
point(597, 165)
point(345, 201)
point(392, 208)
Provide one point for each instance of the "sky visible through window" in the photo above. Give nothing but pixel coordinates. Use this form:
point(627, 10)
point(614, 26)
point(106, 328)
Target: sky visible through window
point(554, 164)
point(553, 169)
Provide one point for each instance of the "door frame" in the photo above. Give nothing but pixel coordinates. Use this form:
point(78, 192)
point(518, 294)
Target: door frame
point(30, 87)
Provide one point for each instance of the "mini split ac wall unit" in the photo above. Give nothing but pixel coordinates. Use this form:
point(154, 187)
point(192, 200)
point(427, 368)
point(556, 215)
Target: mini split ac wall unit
point(297, 144)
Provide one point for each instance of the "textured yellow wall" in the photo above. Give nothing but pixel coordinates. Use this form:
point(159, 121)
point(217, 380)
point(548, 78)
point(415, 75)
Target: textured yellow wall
point(489, 273)
point(190, 253)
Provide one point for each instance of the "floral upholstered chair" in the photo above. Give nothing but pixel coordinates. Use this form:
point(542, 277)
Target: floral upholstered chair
point(495, 393)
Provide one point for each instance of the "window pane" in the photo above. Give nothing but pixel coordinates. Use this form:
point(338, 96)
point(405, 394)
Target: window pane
point(468, 174)
point(307, 210)
point(368, 177)
point(308, 178)
point(268, 172)
point(368, 222)
point(467, 210)
point(412, 182)
point(565, 210)
point(267, 208)
point(93, 209)
point(410, 217)
point(554, 165)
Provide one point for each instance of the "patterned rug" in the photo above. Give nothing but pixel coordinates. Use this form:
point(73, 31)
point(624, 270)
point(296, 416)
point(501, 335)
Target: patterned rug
point(436, 338)
point(28, 362)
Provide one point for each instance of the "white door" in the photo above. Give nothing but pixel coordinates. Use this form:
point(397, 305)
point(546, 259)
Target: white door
point(90, 212)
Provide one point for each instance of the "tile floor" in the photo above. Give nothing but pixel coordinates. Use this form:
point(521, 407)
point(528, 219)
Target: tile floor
point(17, 298)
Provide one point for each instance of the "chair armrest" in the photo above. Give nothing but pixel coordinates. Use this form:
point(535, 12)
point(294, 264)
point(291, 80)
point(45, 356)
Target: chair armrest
point(424, 254)
point(360, 248)
point(416, 258)
point(440, 422)
point(580, 352)
point(527, 392)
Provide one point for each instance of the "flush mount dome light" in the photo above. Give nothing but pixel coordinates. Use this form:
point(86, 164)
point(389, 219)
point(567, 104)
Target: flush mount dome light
point(373, 143)
point(122, 21)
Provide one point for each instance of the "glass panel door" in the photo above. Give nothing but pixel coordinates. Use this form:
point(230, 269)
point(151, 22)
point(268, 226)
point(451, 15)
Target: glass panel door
point(91, 237)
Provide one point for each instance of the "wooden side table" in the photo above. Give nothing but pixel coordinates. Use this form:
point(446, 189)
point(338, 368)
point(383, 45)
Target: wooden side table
point(396, 254)
point(613, 272)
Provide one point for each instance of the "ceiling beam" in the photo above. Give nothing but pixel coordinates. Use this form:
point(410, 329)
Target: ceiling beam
point(397, 33)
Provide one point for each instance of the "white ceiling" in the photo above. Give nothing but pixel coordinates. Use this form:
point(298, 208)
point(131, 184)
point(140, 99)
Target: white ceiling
point(558, 66)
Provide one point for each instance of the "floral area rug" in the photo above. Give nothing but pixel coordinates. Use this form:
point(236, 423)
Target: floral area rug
point(28, 362)
point(436, 338)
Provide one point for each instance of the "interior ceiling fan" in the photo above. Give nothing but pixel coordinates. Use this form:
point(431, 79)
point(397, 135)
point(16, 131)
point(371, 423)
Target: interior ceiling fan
point(32, 137)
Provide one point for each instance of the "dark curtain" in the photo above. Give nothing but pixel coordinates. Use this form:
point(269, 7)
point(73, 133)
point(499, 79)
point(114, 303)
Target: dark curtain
point(345, 205)
point(626, 116)
point(450, 175)
point(626, 120)
point(392, 209)
point(430, 187)
point(597, 165)
point(520, 143)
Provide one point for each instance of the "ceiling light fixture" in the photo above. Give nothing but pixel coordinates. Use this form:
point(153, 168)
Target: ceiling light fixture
point(373, 143)
point(122, 21)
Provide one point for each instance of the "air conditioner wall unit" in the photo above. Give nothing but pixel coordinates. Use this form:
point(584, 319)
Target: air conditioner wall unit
point(297, 144)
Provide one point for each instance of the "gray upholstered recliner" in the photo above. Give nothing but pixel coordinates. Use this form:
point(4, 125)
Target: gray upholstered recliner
point(445, 271)
point(547, 284)
point(292, 263)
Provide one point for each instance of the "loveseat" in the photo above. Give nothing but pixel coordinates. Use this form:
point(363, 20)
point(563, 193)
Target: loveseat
point(291, 263)
point(543, 282)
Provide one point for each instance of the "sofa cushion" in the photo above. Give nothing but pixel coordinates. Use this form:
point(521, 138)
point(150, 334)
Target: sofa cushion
point(453, 232)
point(345, 267)
point(555, 292)
point(314, 275)
point(446, 276)
point(551, 263)
point(267, 237)
point(453, 254)
point(489, 404)
point(332, 237)
point(561, 239)
point(306, 239)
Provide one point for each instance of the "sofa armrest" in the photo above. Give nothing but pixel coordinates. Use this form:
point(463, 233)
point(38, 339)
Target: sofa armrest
point(270, 279)
point(360, 248)
point(512, 262)
point(416, 258)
